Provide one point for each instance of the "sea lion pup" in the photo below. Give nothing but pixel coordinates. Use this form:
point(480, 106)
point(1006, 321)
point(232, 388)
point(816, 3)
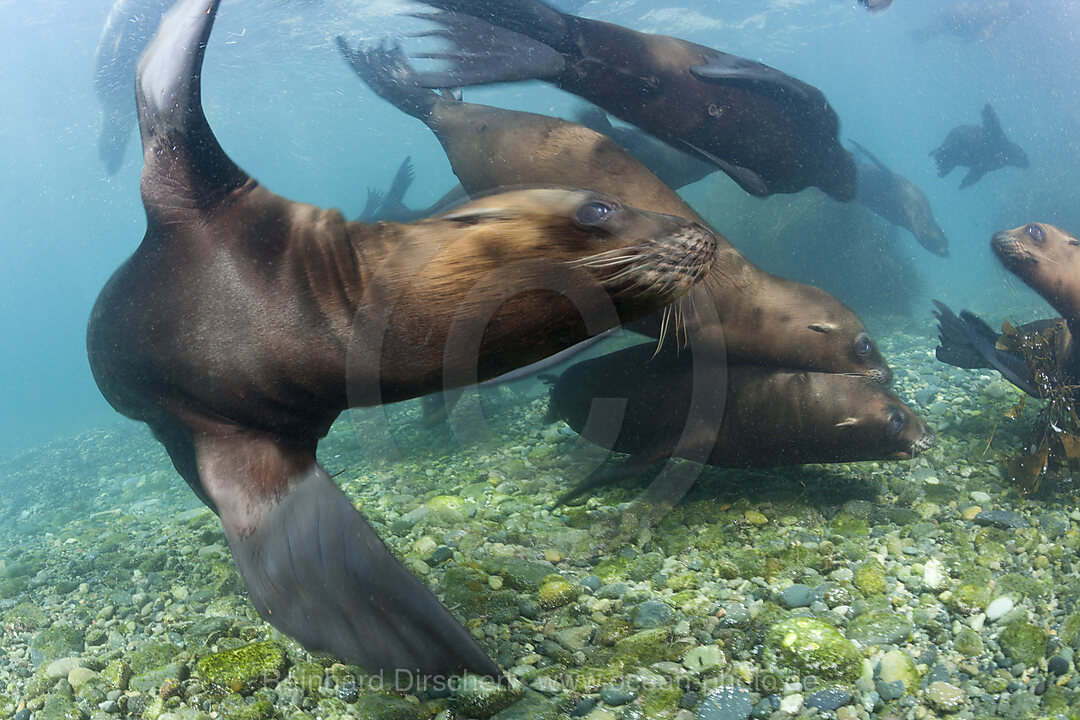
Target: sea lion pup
point(1047, 259)
point(129, 27)
point(980, 149)
point(771, 417)
point(770, 132)
point(762, 318)
point(245, 323)
point(899, 201)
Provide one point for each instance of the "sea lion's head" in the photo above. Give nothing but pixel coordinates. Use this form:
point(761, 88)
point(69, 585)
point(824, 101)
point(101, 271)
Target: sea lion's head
point(881, 425)
point(1047, 259)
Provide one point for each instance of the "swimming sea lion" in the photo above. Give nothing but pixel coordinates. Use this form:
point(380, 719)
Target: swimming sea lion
point(762, 318)
point(770, 132)
point(980, 149)
point(899, 201)
point(876, 7)
point(245, 323)
point(129, 27)
point(771, 416)
point(1047, 259)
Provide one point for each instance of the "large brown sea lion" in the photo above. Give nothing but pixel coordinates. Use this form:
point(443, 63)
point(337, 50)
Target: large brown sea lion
point(761, 318)
point(981, 149)
point(245, 323)
point(770, 132)
point(1047, 259)
point(770, 417)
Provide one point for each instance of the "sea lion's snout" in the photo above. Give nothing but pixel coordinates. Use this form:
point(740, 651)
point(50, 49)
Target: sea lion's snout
point(1013, 247)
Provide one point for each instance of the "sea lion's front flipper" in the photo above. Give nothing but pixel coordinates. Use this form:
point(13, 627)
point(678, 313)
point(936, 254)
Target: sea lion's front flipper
point(991, 123)
point(747, 179)
point(972, 177)
point(183, 164)
point(483, 53)
point(968, 342)
point(317, 571)
point(872, 158)
point(722, 68)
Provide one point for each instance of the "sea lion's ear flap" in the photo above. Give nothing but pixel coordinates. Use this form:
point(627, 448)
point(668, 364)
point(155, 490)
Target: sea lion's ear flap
point(824, 328)
point(848, 422)
point(990, 121)
point(317, 571)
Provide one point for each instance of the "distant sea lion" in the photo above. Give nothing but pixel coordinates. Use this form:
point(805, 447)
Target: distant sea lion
point(876, 7)
point(899, 201)
point(975, 20)
point(762, 318)
point(128, 29)
point(245, 323)
point(771, 417)
point(770, 132)
point(1047, 259)
point(980, 149)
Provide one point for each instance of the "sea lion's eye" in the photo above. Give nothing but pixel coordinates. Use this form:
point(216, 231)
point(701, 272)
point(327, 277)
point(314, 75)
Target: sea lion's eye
point(863, 346)
point(1035, 232)
point(595, 212)
point(896, 424)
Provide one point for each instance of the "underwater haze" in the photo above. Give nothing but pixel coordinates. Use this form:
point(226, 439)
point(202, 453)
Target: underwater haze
point(929, 582)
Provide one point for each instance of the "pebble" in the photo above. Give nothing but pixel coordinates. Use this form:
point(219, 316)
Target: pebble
point(616, 695)
point(1057, 665)
point(828, 699)
point(727, 702)
point(945, 697)
point(999, 608)
point(62, 668)
point(979, 496)
point(704, 658)
point(653, 614)
point(791, 704)
point(1005, 519)
point(796, 596)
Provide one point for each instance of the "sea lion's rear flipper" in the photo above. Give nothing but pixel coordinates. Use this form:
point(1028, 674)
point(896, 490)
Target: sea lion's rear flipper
point(389, 74)
point(991, 123)
point(973, 176)
point(183, 164)
point(483, 53)
point(317, 571)
point(968, 342)
point(390, 205)
point(747, 179)
point(722, 68)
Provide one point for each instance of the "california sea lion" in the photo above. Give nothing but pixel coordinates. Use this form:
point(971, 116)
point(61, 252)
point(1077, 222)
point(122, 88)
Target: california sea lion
point(771, 416)
point(129, 27)
point(762, 318)
point(1047, 259)
point(980, 149)
point(770, 132)
point(245, 323)
point(899, 201)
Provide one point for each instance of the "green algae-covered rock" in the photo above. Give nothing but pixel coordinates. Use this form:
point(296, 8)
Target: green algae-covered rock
point(58, 707)
point(661, 703)
point(811, 646)
point(879, 627)
point(519, 573)
point(307, 675)
point(152, 680)
point(970, 599)
point(555, 591)
point(55, 642)
point(644, 567)
point(116, 674)
point(848, 525)
point(481, 698)
point(945, 697)
point(244, 668)
point(612, 631)
point(152, 656)
point(967, 642)
point(7, 707)
point(1024, 642)
point(235, 707)
point(1070, 629)
point(24, 616)
point(870, 578)
point(898, 667)
point(377, 706)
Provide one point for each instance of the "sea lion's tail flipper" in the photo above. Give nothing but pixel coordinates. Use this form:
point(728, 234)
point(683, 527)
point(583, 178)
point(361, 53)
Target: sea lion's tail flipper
point(723, 69)
point(483, 53)
point(177, 140)
point(389, 74)
point(968, 342)
point(317, 571)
